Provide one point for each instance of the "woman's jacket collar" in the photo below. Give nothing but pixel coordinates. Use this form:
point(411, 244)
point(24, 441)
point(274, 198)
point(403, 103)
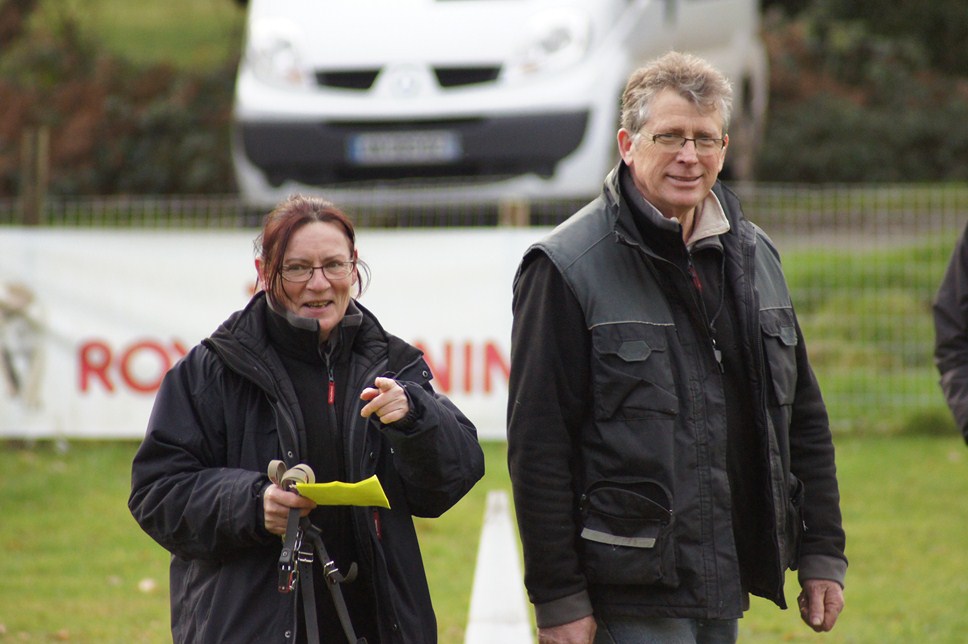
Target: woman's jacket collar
point(243, 337)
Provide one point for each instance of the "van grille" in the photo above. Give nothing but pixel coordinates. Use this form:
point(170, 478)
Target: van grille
point(447, 77)
point(460, 76)
point(359, 79)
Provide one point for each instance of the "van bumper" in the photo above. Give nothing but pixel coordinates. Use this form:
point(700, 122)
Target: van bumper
point(490, 148)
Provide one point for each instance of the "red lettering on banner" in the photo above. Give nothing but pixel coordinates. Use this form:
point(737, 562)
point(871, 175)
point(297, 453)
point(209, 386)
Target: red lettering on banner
point(481, 365)
point(139, 367)
point(130, 379)
point(94, 359)
point(478, 367)
point(468, 367)
point(494, 358)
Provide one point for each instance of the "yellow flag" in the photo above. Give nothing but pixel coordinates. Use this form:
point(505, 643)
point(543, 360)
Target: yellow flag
point(368, 492)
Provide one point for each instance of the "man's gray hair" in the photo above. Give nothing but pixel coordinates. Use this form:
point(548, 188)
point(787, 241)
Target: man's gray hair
point(689, 76)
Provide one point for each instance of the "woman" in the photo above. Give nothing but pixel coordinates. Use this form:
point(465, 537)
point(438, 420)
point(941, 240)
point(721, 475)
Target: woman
point(303, 374)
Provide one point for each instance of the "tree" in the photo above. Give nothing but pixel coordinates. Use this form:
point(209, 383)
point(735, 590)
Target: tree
point(939, 27)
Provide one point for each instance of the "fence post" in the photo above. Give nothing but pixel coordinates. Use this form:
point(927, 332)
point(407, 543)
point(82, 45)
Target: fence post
point(514, 212)
point(34, 173)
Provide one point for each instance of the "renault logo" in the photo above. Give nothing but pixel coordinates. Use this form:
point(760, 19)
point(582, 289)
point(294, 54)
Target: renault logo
point(405, 81)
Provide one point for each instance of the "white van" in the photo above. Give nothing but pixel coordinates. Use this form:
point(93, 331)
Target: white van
point(410, 101)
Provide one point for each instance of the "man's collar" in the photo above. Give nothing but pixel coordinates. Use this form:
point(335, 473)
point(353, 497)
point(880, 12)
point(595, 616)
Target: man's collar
point(709, 221)
point(640, 206)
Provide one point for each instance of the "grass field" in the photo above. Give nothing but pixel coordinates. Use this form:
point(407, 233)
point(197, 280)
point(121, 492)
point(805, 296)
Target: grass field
point(76, 567)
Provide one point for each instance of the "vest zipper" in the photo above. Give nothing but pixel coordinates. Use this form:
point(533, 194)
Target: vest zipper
point(698, 284)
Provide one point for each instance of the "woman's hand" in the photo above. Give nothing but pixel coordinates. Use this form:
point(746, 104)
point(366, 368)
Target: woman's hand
point(387, 399)
point(276, 502)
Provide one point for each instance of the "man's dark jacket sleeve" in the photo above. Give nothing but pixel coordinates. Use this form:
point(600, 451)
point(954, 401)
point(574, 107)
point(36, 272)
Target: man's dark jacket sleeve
point(547, 403)
point(950, 312)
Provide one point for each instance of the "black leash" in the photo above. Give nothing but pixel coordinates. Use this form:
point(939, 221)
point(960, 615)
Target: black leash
point(333, 579)
point(302, 542)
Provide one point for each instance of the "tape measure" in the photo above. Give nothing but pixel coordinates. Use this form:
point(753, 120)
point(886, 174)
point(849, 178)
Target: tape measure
point(287, 478)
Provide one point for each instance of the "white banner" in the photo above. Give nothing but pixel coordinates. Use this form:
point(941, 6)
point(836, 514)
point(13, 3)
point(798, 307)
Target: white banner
point(90, 321)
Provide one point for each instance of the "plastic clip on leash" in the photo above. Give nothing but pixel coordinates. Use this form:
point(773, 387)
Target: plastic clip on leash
point(302, 538)
point(292, 541)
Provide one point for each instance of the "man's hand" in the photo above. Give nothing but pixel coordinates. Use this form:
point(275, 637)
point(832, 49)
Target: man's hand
point(820, 602)
point(580, 631)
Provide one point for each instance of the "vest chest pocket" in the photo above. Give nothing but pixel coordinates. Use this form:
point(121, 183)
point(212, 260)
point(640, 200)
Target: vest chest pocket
point(632, 372)
point(780, 344)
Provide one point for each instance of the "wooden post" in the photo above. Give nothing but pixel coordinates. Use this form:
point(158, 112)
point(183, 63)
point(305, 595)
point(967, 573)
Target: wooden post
point(34, 173)
point(514, 212)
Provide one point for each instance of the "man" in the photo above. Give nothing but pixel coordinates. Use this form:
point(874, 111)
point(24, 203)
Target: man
point(668, 446)
point(950, 312)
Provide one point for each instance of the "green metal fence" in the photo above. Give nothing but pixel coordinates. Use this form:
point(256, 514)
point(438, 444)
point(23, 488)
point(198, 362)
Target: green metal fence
point(811, 210)
point(863, 264)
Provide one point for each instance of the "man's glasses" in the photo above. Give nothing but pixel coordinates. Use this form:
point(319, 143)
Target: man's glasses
point(705, 145)
point(304, 272)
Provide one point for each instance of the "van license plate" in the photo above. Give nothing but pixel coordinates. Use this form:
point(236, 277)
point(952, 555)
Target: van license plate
point(386, 148)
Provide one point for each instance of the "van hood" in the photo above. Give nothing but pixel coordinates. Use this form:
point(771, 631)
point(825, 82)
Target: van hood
point(514, 36)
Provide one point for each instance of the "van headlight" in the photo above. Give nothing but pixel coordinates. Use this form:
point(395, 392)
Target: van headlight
point(272, 53)
point(553, 40)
